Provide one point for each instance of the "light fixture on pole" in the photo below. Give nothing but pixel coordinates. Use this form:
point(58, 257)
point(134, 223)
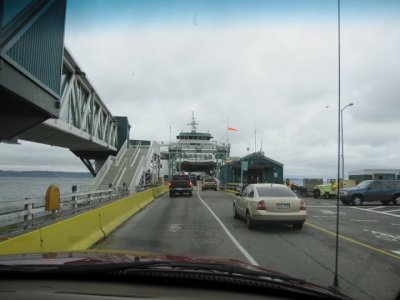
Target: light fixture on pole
point(341, 134)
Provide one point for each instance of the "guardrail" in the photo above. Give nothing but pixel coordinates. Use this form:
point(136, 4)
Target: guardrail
point(80, 231)
point(25, 214)
point(121, 152)
point(111, 160)
point(120, 172)
point(134, 155)
point(103, 170)
point(136, 178)
point(233, 186)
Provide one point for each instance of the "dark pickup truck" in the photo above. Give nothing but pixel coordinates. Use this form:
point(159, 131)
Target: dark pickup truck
point(180, 184)
point(385, 191)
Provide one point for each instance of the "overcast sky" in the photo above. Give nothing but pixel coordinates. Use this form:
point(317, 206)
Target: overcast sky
point(268, 67)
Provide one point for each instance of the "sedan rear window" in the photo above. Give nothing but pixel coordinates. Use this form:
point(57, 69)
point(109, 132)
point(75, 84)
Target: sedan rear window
point(209, 180)
point(274, 192)
point(180, 177)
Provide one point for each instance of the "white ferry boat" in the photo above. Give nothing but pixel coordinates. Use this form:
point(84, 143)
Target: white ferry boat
point(195, 152)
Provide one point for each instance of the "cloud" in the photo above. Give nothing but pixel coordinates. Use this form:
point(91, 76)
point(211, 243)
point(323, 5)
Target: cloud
point(32, 156)
point(275, 79)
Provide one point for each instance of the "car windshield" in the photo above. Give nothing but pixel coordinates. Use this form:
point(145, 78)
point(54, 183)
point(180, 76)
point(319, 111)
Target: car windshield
point(364, 184)
point(274, 192)
point(151, 126)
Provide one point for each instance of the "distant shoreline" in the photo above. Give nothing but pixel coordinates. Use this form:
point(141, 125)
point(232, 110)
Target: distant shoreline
point(44, 174)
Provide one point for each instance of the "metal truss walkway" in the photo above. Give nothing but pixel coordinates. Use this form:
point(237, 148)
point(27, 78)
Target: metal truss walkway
point(136, 166)
point(46, 97)
point(85, 125)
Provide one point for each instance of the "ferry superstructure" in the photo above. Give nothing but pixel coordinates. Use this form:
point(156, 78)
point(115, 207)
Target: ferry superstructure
point(196, 152)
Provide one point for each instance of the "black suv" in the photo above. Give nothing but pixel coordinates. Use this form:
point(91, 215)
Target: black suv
point(385, 191)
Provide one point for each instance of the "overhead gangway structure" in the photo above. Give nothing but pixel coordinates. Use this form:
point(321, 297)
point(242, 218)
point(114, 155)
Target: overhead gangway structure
point(45, 95)
point(136, 165)
point(31, 60)
point(84, 125)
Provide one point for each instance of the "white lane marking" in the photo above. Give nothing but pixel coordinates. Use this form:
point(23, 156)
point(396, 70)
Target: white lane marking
point(329, 212)
point(376, 212)
point(175, 227)
point(230, 235)
point(356, 220)
point(390, 211)
point(384, 236)
point(396, 252)
point(376, 207)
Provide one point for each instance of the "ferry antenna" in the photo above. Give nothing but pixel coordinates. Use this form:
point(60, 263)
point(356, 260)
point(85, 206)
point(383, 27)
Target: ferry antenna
point(193, 124)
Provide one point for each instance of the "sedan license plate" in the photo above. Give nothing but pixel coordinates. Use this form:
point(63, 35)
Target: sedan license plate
point(283, 205)
point(179, 189)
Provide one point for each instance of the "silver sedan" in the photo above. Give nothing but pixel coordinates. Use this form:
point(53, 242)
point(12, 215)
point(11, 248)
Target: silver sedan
point(269, 202)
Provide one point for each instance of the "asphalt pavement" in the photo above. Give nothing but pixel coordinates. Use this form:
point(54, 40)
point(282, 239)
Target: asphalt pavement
point(203, 225)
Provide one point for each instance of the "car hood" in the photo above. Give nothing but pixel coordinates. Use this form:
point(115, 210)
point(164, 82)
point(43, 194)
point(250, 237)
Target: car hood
point(93, 257)
point(112, 260)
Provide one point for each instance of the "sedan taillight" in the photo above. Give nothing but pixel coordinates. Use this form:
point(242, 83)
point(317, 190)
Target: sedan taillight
point(261, 205)
point(302, 205)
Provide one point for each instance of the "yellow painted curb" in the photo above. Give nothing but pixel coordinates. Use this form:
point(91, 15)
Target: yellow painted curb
point(30, 240)
point(114, 214)
point(76, 233)
point(81, 231)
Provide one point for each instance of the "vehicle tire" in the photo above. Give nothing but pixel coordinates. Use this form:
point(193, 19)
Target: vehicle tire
point(317, 193)
point(171, 194)
point(190, 194)
point(327, 196)
point(396, 200)
point(215, 189)
point(385, 202)
point(298, 225)
point(357, 200)
point(235, 214)
point(249, 221)
point(345, 202)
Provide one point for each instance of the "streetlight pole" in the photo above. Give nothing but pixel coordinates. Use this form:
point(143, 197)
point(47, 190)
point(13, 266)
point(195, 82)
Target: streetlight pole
point(341, 134)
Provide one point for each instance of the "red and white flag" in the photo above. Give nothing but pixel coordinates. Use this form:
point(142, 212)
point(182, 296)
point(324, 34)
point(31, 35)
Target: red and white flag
point(232, 129)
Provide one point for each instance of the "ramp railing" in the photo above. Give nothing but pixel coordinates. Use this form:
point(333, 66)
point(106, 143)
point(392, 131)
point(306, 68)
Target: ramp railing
point(25, 214)
point(111, 161)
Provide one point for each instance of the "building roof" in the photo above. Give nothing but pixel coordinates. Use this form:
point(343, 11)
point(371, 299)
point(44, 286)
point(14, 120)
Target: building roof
point(261, 153)
point(253, 157)
point(375, 171)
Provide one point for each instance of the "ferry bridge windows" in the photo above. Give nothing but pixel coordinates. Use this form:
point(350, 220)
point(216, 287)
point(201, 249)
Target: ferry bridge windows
point(196, 156)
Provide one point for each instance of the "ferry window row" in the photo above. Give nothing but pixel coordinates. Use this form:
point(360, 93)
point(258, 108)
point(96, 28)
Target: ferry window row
point(202, 156)
point(205, 138)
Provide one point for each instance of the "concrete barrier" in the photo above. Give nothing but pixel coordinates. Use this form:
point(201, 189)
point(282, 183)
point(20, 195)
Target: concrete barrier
point(111, 216)
point(159, 190)
point(81, 231)
point(78, 232)
point(30, 240)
